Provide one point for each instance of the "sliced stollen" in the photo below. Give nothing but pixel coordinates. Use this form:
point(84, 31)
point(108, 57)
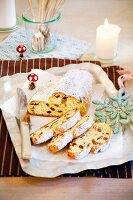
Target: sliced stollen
point(94, 140)
point(45, 133)
point(67, 121)
point(73, 90)
point(46, 109)
point(57, 105)
point(82, 126)
point(67, 102)
point(55, 127)
point(61, 140)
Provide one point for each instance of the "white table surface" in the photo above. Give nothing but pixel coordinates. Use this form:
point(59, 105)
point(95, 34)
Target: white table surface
point(80, 19)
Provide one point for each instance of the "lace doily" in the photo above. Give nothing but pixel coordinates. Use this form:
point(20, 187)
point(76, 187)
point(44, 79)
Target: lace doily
point(67, 47)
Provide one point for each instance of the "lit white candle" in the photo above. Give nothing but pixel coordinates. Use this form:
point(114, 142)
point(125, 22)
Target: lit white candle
point(107, 40)
point(7, 13)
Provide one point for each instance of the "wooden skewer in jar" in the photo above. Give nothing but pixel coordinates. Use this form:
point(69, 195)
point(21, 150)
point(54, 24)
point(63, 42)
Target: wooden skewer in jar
point(47, 10)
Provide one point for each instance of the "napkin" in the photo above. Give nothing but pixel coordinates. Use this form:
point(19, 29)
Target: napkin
point(67, 47)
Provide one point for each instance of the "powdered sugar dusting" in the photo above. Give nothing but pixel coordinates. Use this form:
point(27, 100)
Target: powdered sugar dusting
point(76, 83)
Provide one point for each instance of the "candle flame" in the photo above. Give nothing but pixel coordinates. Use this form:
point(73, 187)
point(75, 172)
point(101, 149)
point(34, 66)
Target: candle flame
point(106, 22)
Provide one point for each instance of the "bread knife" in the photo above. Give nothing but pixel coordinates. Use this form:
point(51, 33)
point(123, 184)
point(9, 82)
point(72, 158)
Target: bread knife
point(24, 120)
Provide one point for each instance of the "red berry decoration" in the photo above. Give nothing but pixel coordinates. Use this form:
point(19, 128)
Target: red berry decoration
point(32, 78)
point(21, 49)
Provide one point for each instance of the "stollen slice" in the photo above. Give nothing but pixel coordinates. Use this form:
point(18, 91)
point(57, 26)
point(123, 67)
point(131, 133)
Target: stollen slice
point(67, 102)
point(67, 121)
point(44, 133)
point(57, 105)
point(55, 127)
point(46, 109)
point(94, 140)
point(61, 140)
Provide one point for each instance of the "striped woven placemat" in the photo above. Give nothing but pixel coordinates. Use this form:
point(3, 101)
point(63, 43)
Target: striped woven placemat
point(9, 163)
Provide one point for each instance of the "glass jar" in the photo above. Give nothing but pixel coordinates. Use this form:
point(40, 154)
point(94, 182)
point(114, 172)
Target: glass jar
point(40, 34)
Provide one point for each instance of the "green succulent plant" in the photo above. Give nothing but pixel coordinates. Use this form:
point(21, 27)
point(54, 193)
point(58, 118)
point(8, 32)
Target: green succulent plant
point(116, 111)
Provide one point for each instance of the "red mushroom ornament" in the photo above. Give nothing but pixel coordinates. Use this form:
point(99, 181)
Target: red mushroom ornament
point(21, 49)
point(32, 79)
